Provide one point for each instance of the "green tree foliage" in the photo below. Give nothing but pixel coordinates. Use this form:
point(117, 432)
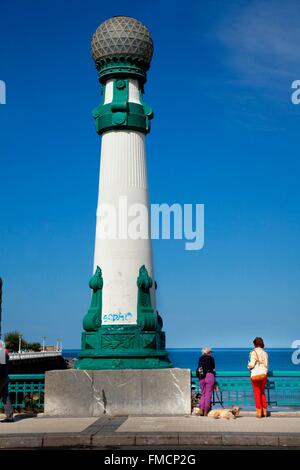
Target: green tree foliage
point(35, 346)
point(12, 342)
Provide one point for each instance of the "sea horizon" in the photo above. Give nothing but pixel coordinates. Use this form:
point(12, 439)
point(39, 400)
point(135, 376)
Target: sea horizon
point(234, 359)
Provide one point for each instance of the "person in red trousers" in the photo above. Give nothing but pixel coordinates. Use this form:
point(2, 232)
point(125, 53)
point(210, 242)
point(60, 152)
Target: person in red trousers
point(258, 365)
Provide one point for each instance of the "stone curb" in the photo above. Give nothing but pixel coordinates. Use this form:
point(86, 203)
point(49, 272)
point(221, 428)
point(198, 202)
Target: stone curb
point(21, 442)
point(107, 440)
point(200, 439)
point(147, 439)
point(66, 440)
point(239, 440)
point(273, 414)
point(289, 441)
point(156, 439)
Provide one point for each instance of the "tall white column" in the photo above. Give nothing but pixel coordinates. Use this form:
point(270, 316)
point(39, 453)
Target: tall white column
point(122, 185)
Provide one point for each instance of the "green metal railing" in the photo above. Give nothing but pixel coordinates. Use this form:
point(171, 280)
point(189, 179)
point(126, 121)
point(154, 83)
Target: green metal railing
point(235, 388)
point(26, 391)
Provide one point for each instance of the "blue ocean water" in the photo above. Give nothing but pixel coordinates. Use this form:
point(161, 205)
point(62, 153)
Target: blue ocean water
point(234, 359)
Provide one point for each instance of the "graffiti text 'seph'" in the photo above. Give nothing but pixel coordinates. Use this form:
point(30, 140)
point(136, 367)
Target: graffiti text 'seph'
point(116, 317)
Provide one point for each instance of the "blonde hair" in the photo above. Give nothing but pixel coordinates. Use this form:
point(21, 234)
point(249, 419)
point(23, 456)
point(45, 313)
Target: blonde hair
point(206, 350)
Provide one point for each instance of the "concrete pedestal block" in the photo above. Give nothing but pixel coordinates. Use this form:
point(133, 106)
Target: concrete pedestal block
point(118, 392)
point(166, 391)
point(69, 392)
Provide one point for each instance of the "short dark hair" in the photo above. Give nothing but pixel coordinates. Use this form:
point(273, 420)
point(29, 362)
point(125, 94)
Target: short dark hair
point(258, 342)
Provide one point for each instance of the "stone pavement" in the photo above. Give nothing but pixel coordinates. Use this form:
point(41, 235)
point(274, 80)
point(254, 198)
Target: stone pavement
point(154, 431)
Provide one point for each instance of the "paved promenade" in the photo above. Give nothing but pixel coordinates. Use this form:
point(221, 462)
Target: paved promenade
point(139, 431)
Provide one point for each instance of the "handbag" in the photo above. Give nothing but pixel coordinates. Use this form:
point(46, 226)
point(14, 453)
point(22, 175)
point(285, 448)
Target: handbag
point(259, 371)
point(199, 372)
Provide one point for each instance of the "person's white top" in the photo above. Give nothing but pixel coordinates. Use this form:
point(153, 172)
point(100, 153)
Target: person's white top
point(262, 356)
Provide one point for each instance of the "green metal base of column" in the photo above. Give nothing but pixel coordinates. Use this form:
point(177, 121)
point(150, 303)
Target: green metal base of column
point(123, 347)
point(100, 363)
point(138, 346)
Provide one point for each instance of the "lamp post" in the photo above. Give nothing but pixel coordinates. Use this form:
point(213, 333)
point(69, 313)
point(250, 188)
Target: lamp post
point(20, 343)
point(122, 328)
point(44, 339)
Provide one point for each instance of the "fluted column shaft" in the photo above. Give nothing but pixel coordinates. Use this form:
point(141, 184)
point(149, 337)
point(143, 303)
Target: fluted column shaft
point(123, 186)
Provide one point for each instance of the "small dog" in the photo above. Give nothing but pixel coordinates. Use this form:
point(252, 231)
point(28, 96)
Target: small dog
point(196, 411)
point(225, 413)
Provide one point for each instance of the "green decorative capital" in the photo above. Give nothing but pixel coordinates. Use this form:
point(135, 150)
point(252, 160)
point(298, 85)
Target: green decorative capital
point(119, 66)
point(120, 113)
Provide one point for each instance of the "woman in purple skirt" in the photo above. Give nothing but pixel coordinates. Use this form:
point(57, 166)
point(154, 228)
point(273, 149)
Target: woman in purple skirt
point(206, 374)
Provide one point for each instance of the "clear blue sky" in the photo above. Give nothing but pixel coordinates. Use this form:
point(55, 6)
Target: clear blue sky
point(225, 134)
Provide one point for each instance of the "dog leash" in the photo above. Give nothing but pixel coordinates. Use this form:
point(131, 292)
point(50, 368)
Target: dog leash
point(219, 398)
